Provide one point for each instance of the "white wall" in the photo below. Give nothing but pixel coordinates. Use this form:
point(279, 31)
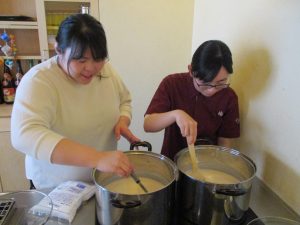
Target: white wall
point(264, 38)
point(147, 40)
point(150, 39)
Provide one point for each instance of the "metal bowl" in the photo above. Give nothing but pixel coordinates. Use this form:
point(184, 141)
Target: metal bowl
point(26, 210)
point(272, 220)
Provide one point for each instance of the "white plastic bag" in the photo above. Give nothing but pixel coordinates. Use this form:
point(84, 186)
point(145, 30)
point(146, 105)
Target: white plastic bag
point(67, 198)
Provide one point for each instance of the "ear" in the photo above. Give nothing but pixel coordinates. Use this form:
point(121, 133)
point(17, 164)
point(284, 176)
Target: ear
point(190, 70)
point(57, 49)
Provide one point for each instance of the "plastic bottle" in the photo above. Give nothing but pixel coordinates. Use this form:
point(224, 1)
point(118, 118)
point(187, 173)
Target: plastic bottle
point(19, 73)
point(8, 86)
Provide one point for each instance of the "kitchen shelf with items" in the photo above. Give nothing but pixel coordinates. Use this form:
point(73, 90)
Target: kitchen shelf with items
point(11, 54)
point(18, 22)
point(18, 30)
point(53, 19)
point(50, 13)
point(15, 37)
point(13, 71)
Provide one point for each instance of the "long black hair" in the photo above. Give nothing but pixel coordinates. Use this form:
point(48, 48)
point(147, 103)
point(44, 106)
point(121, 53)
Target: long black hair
point(209, 58)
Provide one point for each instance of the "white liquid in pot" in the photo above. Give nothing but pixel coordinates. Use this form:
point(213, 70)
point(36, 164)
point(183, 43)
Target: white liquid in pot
point(213, 176)
point(128, 186)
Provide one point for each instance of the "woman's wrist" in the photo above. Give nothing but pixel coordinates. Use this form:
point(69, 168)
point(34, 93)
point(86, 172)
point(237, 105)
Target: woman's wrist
point(125, 120)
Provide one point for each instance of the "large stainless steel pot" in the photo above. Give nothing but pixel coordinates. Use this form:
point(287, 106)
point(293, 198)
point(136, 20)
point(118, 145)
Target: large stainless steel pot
point(145, 209)
point(213, 203)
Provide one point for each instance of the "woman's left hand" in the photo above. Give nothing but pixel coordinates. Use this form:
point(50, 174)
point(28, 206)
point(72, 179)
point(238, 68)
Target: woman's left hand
point(121, 128)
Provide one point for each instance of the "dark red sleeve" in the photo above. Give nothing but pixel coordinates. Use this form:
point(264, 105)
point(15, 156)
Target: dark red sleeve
point(161, 101)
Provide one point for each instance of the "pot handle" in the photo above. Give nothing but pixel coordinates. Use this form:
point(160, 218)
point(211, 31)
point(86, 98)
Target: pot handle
point(231, 192)
point(125, 204)
point(141, 143)
point(203, 141)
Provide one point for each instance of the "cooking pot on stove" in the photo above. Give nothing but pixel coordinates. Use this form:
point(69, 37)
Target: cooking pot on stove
point(154, 207)
point(213, 201)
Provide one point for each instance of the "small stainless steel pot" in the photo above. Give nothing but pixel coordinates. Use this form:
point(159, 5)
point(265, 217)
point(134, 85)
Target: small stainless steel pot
point(144, 209)
point(201, 202)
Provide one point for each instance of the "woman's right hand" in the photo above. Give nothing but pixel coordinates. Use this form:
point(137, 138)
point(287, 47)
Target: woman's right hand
point(115, 162)
point(187, 125)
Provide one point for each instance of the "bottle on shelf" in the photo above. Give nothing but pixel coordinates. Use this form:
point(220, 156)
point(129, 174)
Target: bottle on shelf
point(85, 9)
point(8, 86)
point(31, 63)
point(1, 94)
point(19, 73)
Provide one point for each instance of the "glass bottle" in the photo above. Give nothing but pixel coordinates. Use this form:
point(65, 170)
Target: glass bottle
point(8, 86)
point(31, 63)
point(1, 93)
point(19, 73)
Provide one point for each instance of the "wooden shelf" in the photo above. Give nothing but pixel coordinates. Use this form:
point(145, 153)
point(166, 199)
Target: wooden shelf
point(52, 27)
point(19, 25)
point(23, 57)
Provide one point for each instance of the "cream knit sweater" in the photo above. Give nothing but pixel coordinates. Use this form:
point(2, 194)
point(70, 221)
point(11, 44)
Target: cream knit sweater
point(50, 106)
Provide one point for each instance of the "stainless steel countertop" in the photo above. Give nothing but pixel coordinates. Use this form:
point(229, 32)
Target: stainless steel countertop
point(86, 214)
point(263, 202)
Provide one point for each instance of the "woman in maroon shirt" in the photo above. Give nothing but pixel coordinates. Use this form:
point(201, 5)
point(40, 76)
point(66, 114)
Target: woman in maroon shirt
point(198, 104)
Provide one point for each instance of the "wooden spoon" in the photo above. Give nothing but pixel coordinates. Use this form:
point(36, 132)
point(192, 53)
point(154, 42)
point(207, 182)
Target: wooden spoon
point(196, 171)
point(193, 157)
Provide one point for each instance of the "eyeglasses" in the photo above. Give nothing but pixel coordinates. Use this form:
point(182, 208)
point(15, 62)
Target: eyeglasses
point(221, 85)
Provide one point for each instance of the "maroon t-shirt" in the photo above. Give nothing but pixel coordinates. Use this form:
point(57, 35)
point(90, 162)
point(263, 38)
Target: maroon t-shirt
point(217, 116)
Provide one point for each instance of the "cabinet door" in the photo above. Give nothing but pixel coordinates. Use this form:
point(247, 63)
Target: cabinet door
point(49, 15)
point(12, 169)
point(1, 189)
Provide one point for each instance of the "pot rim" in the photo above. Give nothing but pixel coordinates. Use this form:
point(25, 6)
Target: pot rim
point(223, 149)
point(138, 152)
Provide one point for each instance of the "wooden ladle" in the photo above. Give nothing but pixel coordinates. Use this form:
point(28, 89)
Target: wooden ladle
point(193, 157)
point(196, 170)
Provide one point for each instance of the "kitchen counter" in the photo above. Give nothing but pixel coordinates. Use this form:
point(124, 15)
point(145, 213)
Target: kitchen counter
point(5, 110)
point(263, 202)
point(5, 114)
point(86, 213)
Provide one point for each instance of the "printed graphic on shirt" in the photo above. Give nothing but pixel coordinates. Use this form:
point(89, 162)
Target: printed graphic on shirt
point(220, 113)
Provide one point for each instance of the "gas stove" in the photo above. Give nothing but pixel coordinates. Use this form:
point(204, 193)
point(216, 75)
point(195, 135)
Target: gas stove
point(248, 216)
